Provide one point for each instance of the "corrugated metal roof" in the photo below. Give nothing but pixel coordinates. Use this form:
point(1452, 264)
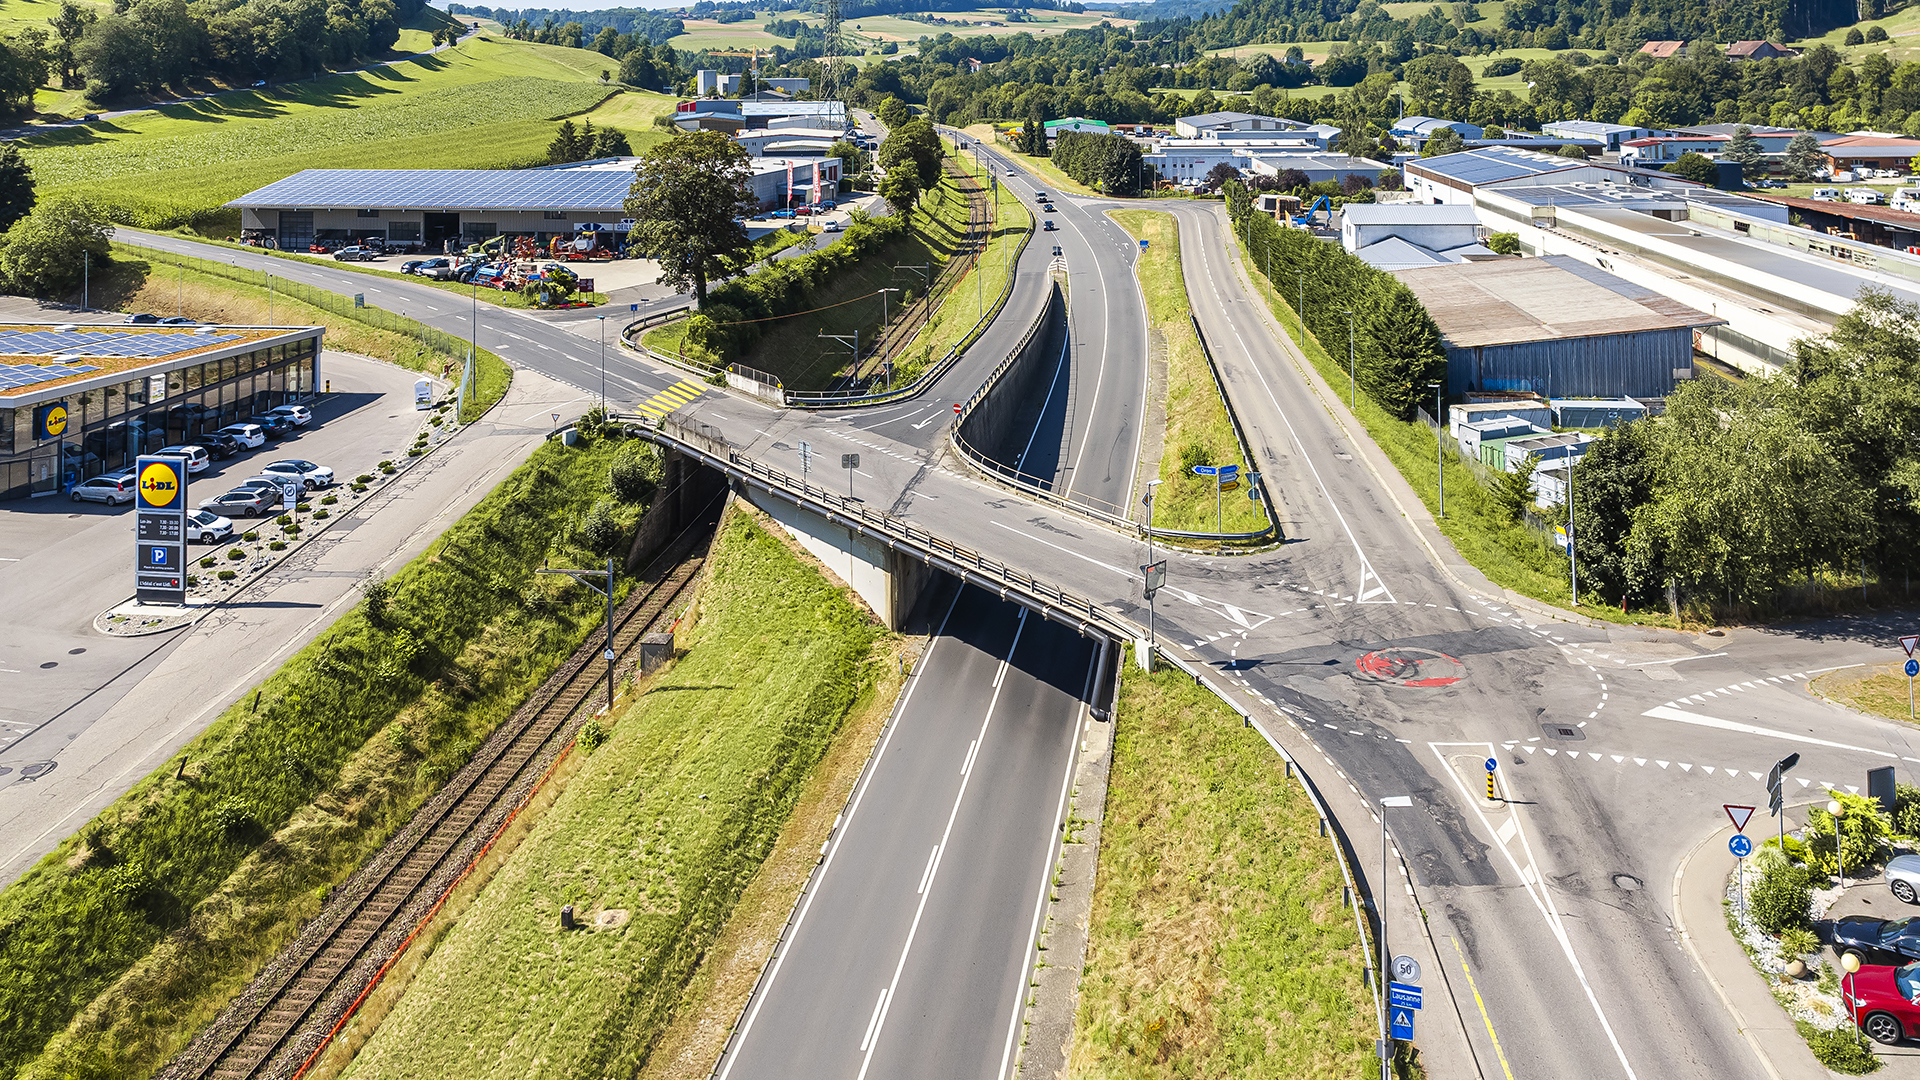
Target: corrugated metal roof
point(449, 189)
point(1510, 301)
point(1410, 214)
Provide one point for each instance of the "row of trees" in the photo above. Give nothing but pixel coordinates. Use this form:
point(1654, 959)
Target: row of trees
point(1745, 492)
point(585, 143)
point(1106, 163)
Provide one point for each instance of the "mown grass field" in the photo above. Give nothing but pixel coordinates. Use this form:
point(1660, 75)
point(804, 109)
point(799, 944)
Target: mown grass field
point(134, 932)
point(1218, 946)
point(978, 292)
point(653, 839)
point(1198, 429)
point(746, 34)
point(485, 104)
point(1879, 690)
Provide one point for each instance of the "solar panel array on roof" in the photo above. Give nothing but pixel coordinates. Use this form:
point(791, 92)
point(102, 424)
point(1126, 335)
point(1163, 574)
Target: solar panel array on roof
point(447, 189)
point(98, 343)
point(15, 376)
point(1493, 164)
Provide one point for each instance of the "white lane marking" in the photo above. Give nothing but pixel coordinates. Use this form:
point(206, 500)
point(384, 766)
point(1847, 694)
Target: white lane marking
point(1529, 878)
point(866, 780)
point(1069, 551)
point(966, 766)
point(1678, 659)
point(924, 875)
point(1662, 712)
point(879, 1003)
point(952, 815)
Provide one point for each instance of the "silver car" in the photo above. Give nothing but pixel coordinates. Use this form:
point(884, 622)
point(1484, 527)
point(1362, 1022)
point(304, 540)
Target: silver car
point(1903, 877)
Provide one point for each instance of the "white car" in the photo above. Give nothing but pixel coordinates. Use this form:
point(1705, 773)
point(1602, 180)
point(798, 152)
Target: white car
point(251, 436)
point(208, 527)
point(197, 457)
point(297, 415)
point(309, 474)
point(112, 489)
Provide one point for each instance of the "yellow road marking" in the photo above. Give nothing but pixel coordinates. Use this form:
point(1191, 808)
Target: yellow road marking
point(1488, 1020)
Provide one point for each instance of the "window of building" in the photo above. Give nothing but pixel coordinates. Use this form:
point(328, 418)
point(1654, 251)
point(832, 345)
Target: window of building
point(403, 230)
point(366, 213)
point(554, 215)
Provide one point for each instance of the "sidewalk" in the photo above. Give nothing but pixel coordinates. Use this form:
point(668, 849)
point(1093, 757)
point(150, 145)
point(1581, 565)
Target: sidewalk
point(212, 665)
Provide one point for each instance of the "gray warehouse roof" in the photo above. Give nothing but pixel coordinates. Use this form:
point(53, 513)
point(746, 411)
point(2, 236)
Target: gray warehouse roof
point(1509, 301)
point(1410, 213)
point(445, 189)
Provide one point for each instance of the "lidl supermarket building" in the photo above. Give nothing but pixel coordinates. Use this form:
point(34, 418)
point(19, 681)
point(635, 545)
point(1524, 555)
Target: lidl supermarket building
point(79, 401)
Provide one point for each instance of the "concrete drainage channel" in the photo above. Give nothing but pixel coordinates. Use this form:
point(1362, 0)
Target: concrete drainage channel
point(131, 619)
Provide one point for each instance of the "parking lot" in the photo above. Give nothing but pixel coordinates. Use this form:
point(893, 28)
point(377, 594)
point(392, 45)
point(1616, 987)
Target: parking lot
point(62, 563)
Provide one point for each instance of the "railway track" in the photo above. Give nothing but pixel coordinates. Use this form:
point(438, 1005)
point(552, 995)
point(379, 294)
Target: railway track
point(273, 1026)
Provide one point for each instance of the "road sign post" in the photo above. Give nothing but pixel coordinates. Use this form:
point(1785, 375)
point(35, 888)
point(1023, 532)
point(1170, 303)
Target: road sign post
point(806, 463)
point(1493, 763)
point(1741, 848)
point(849, 462)
point(1776, 803)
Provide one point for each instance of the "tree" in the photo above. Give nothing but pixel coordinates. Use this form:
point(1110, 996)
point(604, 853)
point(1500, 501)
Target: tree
point(71, 24)
point(115, 58)
point(1218, 176)
point(1578, 153)
point(688, 195)
point(41, 254)
point(893, 112)
point(565, 146)
point(1804, 156)
point(1513, 490)
point(16, 186)
point(1696, 167)
point(901, 188)
point(1444, 141)
point(1745, 149)
point(1611, 481)
point(853, 160)
point(1854, 37)
point(914, 145)
point(1504, 243)
point(1400, 353)
point(611, 143)
point(1876, 34)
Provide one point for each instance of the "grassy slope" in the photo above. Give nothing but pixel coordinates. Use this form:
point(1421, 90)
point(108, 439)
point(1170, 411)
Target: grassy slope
point(667, 822)
point(1508, 553)
point(217, 297)
point(1195, 414)
point(485, 104)
point(1880, 690)
point(1218, 946)
point(976, 293)
point(144, 971)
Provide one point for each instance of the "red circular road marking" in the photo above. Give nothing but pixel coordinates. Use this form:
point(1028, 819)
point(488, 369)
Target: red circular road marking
point(1410, 667)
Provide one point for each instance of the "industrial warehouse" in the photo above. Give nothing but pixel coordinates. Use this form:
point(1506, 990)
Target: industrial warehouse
point(441, 210)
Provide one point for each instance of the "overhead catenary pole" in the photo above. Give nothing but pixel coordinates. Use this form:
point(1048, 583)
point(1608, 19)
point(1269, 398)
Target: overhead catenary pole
point(585, 578)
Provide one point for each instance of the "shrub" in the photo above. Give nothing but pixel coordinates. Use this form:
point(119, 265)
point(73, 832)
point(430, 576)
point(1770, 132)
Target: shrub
point(1799, 941)
point(384, 464)
point(1844, 1050)
point(1906, 810)
point(206, 562)
point(363, 478)
point(1506, 65)
point(591, 736)
point(193, 582)
point(400, 737)
point(320, 515)
point(250, 536)
point(1865, 827)
point(277, 545)
point(414, 451)
point(227, 575)
point(636, 473)
point(379, 593)
point(283, 519)
point(233, 814)
point(600, 530)
point(387, 467)
point(1781, 900)
point(1194, 454)
point(236, 554)
point(329, 500)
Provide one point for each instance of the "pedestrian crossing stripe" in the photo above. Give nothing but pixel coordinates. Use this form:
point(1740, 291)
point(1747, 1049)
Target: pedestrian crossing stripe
point(673, 397)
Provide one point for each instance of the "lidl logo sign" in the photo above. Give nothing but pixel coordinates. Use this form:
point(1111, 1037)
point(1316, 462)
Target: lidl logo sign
point(50, 420)
point(159, 485)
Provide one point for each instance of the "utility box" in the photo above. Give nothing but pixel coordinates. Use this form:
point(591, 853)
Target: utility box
point(1880, 787)
point(655, 650)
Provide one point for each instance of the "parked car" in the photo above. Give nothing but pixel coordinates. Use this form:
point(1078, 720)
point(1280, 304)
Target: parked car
point(244, 502)
point(197, 457)
point(1885, 1001)
point(276, 427)
point(356, 253)
point(309, 474)
point(1869, 938)
point(411, 265)
point(180, 320)
point(208, 527)
point(781, 214)
point(1903, 878)
point(221, 446)
point(268, 484)
point(428, 267)
point(250, 436)
point(112, 489)
point(298, 415)
point(142, 319)
point(802, 211)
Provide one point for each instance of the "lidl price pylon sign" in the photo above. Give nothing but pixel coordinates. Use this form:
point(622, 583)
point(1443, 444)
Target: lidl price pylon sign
point(160, 530)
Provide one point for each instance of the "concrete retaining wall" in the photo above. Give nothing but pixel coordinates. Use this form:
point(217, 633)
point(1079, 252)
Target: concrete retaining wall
point(994, 424)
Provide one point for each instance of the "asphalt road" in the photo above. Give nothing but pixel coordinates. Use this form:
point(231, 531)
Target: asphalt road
point(1368, 636)
point(912, 950)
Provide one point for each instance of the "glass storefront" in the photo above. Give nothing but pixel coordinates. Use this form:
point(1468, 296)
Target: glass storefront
point(109, 426)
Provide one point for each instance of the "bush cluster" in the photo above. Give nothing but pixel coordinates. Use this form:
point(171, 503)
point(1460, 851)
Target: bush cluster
point(1844, 1050)
point(1782, 900)
point(728, 324)
point(1104, 162)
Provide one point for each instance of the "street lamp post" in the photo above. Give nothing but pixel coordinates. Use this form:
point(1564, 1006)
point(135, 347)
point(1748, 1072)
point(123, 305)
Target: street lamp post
point(1839, 853)
point(1440, 446)
point(1851, 963)
point(1391, 802)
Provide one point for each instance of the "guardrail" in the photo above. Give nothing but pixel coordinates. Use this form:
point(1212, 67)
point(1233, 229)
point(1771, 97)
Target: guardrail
point(710, 446)
point(1239, 434)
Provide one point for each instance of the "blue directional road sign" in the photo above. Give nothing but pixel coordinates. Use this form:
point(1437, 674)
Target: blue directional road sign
point(1913, 668)
point(1143, 245)
point(1402, 1023)
point(1740, 846)
point(1403, 996)
point(1492, 764)
point(1206, 470)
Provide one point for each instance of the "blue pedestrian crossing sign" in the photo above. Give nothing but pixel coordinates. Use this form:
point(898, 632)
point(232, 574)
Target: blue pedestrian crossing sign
point(1740, 846)
point(1402, 1023)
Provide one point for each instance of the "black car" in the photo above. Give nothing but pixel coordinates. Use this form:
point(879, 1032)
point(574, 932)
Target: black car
point(1869, 938)
point(276, 427)
point(220, 445)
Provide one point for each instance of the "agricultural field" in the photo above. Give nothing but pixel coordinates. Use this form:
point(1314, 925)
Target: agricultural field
point(481, 105)
point(708, 34)
point(1902, 27)
point(19, 14)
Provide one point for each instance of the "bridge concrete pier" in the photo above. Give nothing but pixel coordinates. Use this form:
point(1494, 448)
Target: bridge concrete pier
point(888, 579)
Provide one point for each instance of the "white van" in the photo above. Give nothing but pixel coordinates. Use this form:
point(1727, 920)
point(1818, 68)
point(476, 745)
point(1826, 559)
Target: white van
point(1865, 196)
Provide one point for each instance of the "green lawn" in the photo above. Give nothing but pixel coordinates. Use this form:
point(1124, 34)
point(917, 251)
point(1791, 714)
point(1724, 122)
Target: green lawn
point(658, 833)
point(1218, 945)
point(1198, 429)
point(746, 34)
point(486, 104)
point(1879, 690)
point(978, 292)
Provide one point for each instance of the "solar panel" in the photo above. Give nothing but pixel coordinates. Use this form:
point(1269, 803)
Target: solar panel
point(102, 343)
point(449, 189)
point(15, 376)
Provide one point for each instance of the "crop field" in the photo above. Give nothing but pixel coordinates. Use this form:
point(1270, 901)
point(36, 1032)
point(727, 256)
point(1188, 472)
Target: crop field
point(485, 105)
point(746, 34)
point(20, 14)
point(653, 839)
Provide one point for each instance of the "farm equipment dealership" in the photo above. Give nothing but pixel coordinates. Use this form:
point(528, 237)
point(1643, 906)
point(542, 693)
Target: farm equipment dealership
point(445, 211)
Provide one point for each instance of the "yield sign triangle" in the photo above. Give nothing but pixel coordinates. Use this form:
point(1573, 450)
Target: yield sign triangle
point(1909, 642)
point(1738, 815)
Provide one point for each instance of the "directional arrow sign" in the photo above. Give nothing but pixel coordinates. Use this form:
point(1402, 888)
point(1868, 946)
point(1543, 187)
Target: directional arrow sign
point(1229, 470)
point(1206, 470)
point(1738, 815)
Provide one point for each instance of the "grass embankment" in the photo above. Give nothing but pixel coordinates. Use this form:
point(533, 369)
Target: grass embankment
point(1217, 943)
point(134, 932)
point(219, 293)
point(1042, 168)
point(1509, 553)
point(1880, 690)
point(979, 291)
point(484, 104)
point(1198, 429)
point(652, 841)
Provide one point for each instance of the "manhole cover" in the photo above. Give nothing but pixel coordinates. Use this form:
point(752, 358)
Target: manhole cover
point(1626, 882)
point(36, 770)
point(50, 664)
point(1410, 667)
point(1563, 732)
point(75, 652)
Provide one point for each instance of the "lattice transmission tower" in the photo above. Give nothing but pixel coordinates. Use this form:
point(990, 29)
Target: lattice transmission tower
point(832, 64)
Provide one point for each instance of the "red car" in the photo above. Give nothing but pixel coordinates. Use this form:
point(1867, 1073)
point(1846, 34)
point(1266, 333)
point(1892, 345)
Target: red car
point(1885, 1000)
